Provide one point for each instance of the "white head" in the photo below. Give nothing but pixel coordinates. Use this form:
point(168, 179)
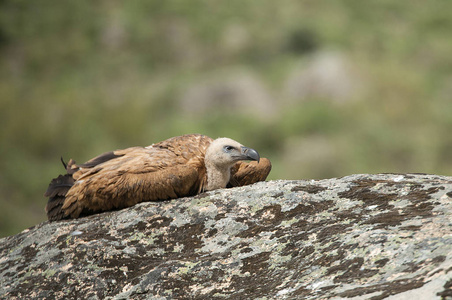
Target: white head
point(224, 152)
point(221, 155)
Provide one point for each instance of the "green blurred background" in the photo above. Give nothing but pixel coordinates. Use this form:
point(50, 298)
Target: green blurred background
point(322, 88)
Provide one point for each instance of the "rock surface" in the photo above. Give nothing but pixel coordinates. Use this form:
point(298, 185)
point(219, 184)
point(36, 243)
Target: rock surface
point(386, 236)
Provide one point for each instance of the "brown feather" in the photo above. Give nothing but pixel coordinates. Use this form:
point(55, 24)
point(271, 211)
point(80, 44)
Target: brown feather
point(100, 159)
point(56, 192)
point(166, 170)
point(245, 173)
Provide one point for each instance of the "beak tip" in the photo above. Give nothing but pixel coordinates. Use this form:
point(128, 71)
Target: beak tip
point(252, 154)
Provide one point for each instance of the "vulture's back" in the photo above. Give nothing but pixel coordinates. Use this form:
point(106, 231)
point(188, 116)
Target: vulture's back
point(169, 169)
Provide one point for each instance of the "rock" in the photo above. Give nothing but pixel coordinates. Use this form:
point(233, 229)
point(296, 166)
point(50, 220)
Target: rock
point(227, 93)
point(386, 236)
point(327, 75)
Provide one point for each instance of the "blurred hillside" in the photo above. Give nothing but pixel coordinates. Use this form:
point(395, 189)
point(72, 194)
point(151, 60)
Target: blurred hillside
point(323, 89)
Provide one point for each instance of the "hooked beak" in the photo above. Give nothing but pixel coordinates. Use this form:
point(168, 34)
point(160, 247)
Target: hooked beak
point(250, 154)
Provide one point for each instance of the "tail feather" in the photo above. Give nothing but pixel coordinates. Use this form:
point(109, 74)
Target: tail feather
point(53, 209)
point(56, 192)
point(59, 186)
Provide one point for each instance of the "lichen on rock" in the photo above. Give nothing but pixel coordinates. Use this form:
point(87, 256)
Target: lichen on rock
point(358, 237)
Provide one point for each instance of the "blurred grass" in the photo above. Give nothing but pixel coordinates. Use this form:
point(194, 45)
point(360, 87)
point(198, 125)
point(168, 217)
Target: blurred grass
point(323, 89)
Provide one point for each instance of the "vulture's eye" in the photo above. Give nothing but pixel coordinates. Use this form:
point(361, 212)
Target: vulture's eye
point(228, 148)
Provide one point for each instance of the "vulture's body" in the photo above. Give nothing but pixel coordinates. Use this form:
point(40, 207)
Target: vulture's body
point(178, 167)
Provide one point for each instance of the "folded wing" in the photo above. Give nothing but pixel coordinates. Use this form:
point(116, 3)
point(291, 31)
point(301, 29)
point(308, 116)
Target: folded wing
point(245, 173)
point(170, 169)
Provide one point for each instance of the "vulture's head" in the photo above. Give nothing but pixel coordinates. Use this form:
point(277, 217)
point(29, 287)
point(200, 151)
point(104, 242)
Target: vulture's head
point(224, 152)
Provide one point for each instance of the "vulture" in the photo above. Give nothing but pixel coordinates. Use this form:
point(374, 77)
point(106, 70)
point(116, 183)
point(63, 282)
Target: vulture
point(177, 167)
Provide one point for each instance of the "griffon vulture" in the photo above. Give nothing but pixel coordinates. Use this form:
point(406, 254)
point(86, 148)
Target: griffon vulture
point(177, 167)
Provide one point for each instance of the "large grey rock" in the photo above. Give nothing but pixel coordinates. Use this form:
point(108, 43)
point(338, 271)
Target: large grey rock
point(226, 92)
point(326, 75)
point(357, 237)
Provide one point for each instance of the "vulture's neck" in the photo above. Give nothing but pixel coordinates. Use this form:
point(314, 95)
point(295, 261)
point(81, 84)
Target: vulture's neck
point(217, 177)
